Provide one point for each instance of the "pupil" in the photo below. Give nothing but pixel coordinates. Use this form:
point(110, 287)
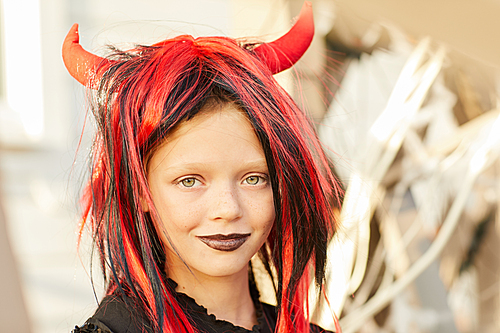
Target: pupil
point(188, 182)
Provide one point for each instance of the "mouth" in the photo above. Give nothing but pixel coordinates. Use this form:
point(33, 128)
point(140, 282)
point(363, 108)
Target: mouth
point(226, 243)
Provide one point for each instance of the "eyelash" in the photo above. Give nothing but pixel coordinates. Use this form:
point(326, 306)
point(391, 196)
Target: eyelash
point(181, 182)
point(262, 180)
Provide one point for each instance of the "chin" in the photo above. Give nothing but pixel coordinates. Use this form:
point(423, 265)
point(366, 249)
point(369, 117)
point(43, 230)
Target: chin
point(223, 267)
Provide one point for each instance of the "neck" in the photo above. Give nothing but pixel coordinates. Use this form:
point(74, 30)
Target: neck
point(226, 297)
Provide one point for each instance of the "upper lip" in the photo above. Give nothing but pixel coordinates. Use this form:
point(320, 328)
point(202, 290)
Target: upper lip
point(221, 237)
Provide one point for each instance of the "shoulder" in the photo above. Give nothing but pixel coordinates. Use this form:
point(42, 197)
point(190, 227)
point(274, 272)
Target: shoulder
point(270, 316)
point(317, 329)
point(112, 316)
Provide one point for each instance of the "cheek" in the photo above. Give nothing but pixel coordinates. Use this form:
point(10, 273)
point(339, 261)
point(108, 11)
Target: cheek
point(177, 216)
point(264, 213)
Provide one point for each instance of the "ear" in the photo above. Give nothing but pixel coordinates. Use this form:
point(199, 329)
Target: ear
point(144, 204)
point(144, 192)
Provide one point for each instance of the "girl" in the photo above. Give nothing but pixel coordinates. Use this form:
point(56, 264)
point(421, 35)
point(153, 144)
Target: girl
point(201, 161)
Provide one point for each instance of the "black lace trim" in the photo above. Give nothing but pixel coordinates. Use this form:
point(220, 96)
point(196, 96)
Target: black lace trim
point(210, 319)
point(89, 328)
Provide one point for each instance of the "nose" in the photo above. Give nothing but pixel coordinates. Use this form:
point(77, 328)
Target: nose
point(225, 204)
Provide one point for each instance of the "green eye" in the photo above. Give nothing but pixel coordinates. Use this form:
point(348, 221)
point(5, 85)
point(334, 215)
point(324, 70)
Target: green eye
point(188, 182)
point(253, 180)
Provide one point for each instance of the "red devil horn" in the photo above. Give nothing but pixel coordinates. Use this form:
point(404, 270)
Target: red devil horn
point(82, 65)
point(287, 50)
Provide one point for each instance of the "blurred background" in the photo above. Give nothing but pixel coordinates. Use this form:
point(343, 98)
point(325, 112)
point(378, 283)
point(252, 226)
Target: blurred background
point(404, 96)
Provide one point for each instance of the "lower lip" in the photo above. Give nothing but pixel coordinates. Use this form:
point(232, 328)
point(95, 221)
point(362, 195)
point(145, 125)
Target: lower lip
point(226, 245)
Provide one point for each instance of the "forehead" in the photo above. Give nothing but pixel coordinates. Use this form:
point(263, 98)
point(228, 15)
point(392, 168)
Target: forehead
point(217, 134)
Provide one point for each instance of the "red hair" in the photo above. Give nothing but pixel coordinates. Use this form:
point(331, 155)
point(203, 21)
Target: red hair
point(146, 92)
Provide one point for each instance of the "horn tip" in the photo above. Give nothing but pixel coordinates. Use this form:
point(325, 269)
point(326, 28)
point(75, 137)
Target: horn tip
point(73, 29)
point(73, 35)
point(306, 10)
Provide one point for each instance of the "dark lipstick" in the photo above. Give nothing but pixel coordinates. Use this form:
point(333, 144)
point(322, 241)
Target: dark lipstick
point(225, 243)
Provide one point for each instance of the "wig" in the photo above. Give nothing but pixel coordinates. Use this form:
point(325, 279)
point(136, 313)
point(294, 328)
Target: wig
point(139, 97)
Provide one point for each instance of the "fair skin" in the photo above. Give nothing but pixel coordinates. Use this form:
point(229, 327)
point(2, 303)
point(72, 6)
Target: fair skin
point(209, 184)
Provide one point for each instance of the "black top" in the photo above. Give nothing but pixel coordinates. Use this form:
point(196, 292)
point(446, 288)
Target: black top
point(113, 316)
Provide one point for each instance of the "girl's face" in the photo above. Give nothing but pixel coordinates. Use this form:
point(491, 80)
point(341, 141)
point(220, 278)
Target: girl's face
point(210, 185)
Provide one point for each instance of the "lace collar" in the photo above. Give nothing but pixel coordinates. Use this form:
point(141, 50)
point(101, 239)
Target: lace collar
point(209, 323)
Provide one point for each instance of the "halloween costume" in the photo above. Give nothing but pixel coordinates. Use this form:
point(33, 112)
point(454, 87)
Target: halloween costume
point(139, 97)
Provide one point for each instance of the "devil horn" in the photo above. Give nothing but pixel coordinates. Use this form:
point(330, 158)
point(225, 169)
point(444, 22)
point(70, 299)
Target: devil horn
point(82, 65)
point(287, 50)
